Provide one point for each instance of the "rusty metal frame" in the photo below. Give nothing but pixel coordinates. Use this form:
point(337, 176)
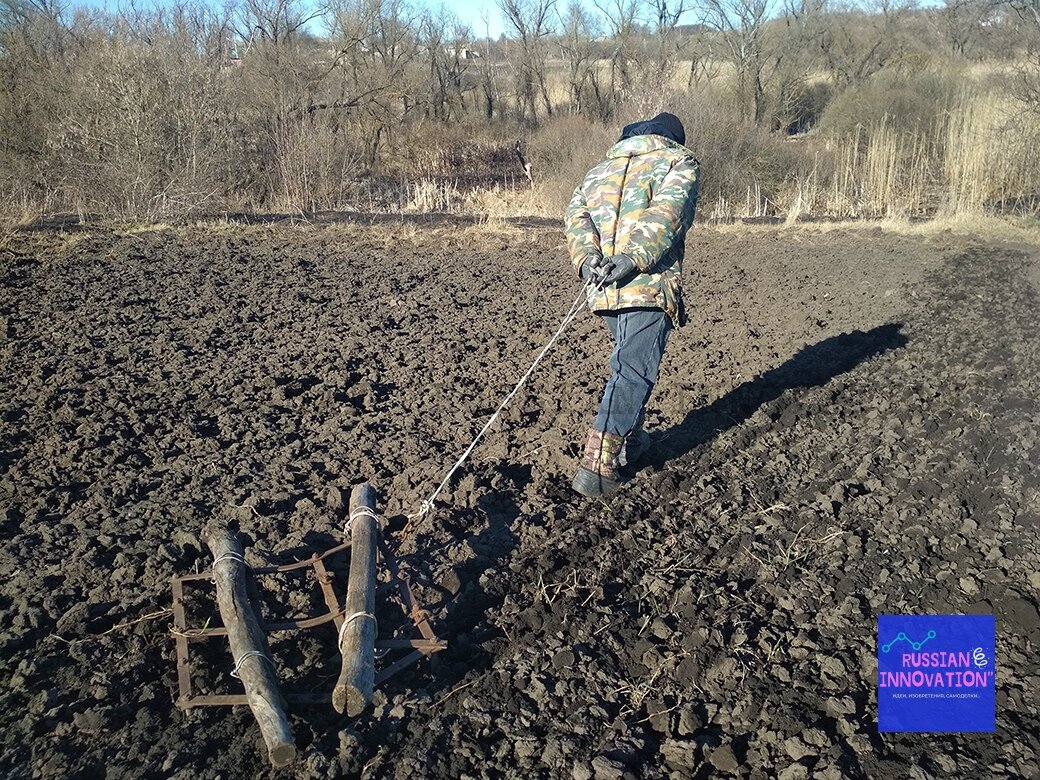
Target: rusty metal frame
point(416, 618)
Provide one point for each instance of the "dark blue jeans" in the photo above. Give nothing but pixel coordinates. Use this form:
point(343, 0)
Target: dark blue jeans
point(640, 336)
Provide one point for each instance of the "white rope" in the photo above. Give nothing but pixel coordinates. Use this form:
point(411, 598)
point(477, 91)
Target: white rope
point(361, 511)
point(229, 556)
point(355, 616)
point(587, 293)
point(244, 656)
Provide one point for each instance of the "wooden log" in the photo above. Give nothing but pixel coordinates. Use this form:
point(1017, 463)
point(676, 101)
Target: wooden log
point(249, 643)
point(357, 641)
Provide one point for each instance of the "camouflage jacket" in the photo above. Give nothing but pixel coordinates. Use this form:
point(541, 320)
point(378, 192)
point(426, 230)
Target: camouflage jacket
point(639, 201)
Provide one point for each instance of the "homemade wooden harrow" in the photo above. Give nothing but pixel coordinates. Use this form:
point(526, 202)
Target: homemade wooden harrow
point(354, 621)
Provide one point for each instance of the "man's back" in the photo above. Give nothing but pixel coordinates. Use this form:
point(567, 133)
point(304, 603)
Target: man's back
point(620, 188)
point(639, 201)
point(626, 229)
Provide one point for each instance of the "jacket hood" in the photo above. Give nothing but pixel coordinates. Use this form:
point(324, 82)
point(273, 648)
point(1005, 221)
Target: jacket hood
point(642, 144)
point(664, 124)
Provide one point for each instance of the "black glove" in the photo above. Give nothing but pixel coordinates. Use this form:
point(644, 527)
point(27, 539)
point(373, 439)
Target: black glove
point(616, 268)
point(591, 269)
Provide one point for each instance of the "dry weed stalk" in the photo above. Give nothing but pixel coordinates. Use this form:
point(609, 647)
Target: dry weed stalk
point(981, 155)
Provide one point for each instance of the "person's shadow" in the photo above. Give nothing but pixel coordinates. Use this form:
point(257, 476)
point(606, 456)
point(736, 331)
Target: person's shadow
point(812, 366)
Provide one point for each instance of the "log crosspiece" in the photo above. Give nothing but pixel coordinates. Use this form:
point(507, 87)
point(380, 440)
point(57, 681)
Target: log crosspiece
point(248, 643)
point(353, 691)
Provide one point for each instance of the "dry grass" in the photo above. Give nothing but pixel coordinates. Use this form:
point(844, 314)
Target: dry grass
point(499, 203)
point(980, 157)
point(989, 227)
point(879, 172)
point(992, 157)
point(427, 195)
point(12, 218)
point(1025, 230)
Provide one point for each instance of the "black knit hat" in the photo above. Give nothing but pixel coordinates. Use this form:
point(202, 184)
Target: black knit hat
point(665, 124)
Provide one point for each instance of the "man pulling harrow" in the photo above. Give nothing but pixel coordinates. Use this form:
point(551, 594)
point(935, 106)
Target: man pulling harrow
point(626, 231)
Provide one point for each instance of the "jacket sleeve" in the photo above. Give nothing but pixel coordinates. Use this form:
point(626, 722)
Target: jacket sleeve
point(582, 235)
point(668, 216)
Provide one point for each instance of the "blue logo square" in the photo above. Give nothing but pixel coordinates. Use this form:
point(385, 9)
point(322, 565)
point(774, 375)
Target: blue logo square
point(937, 673)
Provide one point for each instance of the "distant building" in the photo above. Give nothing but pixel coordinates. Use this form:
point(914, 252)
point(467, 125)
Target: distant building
point(462, 52)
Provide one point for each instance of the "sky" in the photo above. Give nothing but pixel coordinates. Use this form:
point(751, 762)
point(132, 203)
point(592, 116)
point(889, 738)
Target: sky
point(471, 12)
point(482, 16)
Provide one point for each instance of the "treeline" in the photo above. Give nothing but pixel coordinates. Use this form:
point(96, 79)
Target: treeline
point(276, 104)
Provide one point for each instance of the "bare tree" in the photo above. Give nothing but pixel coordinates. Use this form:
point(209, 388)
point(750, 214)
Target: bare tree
point(444, 64)
point(622, 18)
point(959, 23)
point(21, 10)
point(1026, 85)
point(668, 44)
point(274, 20)
point(793, 45)
point(578, 46)
point(40, 25)
point(372, 71)
point(741, 25)
point(532, 21)
point(145, 111)
point(487, 74)
point(856, 44)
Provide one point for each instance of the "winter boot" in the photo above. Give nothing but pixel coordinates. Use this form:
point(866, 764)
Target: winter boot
point(637, 443)
point(598, 473)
